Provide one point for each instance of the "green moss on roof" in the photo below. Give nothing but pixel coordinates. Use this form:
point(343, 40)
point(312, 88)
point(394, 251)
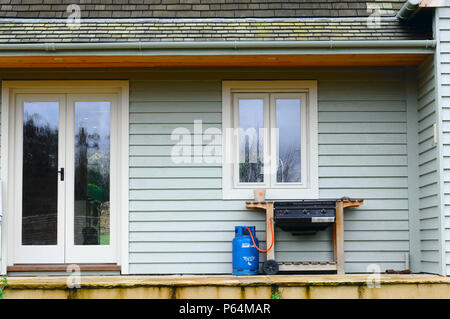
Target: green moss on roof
point(19, 32)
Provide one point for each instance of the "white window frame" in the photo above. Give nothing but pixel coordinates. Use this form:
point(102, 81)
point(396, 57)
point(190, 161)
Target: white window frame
point(269, 91)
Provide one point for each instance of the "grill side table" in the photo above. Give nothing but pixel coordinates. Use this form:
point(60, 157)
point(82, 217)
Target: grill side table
point(338, 238)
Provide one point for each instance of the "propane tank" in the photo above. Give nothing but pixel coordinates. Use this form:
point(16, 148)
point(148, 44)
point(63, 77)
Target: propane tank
point(245, 254)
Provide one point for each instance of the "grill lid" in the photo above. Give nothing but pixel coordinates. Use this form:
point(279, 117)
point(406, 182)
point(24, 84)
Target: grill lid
point(305, 216)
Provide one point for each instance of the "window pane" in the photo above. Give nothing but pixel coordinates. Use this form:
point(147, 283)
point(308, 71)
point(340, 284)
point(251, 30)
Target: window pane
point(251, 120)
point(289, 140)
point(39, 180)
point(92, 164)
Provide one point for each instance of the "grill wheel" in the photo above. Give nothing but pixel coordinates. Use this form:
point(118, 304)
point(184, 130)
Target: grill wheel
point(270, 267)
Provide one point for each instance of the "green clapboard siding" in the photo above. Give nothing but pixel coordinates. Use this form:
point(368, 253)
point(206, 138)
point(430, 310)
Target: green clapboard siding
point(429, 207)
point(443, 71)
point(178, 220)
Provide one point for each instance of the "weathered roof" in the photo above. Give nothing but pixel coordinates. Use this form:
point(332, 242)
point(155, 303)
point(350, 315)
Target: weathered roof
point(196, 8)
point(32, 21)
point(324, 29)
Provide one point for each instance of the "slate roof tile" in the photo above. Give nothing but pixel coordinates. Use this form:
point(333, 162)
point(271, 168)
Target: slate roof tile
point(323, 29)
point(196, 8)
point(104, 20)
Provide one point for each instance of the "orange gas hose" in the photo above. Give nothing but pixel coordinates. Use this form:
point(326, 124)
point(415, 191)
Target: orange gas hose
point(253, 240)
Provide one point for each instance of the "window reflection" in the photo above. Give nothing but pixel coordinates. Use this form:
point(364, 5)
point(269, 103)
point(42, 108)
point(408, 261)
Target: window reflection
point(92, 173)
point(251, 119)
point(289, 140)
point(39, 174)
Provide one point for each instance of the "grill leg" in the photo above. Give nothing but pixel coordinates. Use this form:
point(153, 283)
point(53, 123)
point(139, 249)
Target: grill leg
point(339, 238)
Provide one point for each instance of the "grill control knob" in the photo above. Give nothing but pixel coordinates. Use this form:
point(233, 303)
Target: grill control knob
point(323, 211)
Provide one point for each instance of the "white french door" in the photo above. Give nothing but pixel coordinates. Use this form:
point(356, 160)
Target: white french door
point(65, 178)
point(39, 192)
point(90, 206)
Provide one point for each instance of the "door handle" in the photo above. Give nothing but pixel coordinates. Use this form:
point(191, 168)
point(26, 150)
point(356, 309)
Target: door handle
point(62, 174)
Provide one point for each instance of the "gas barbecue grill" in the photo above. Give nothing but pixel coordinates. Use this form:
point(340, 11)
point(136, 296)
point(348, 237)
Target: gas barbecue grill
point(307, 216)
point(304, 216)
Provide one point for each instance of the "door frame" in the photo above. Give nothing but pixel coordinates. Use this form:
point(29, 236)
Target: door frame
point(9, 91)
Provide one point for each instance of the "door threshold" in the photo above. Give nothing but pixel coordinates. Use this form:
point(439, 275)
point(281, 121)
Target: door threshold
point(62, 267)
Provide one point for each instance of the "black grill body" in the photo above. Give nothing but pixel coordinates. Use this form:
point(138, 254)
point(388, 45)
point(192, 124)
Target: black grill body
point(304, 216)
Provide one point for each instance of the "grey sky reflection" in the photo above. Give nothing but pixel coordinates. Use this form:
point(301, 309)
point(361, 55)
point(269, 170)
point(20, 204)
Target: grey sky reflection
point(289, 140)
point(95, 118)
point(43, 113)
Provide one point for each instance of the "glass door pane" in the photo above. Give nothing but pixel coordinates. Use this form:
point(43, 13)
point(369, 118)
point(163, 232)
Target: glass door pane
point(92, 173)
point(40, 173)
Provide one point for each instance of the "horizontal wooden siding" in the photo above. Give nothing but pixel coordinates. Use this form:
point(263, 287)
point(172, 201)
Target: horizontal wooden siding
point(443, 69)
point(178, 220)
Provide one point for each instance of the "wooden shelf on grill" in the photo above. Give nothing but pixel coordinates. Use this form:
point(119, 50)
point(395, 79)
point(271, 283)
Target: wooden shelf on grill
point(307, 266)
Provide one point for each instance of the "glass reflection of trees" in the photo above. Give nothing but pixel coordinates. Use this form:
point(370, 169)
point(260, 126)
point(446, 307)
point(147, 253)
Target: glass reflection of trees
point(92, 188)
point(288, 119)
point(288, 165)
point(251, 153)
point(39, 178)
point(251, 166)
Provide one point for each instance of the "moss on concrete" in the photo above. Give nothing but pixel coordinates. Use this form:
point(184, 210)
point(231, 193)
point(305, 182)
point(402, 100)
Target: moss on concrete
point(293, 286)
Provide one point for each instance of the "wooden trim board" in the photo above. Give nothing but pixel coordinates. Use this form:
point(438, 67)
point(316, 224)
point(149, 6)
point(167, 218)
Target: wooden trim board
point(286, 60)
point(62, 267)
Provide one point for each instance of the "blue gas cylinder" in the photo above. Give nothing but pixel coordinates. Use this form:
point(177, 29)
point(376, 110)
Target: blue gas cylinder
point(245, 254)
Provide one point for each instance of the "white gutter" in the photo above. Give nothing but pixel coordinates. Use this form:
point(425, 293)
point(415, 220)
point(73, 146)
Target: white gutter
point(213, 45)
point(204, 48)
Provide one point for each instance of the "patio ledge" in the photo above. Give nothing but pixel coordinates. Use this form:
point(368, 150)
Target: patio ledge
point(232, 287)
